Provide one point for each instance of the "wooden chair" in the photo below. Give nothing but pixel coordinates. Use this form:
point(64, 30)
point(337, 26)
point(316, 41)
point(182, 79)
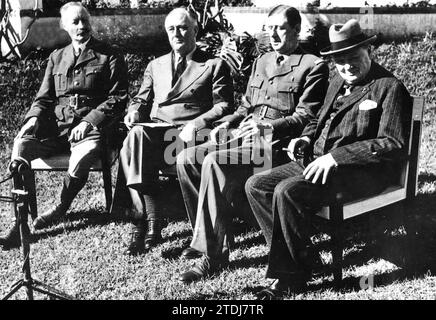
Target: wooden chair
point(404, 192)
point(60, 163)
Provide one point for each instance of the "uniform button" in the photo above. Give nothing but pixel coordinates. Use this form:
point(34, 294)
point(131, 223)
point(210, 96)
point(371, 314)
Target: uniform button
point(76, 83)
point(271, 82)
point(267, 97)
point(76, 71)
point(292, 78)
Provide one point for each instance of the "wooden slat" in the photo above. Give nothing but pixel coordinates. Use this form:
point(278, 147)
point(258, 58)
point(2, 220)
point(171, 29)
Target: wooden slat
point(355, 208)
point(60, 163)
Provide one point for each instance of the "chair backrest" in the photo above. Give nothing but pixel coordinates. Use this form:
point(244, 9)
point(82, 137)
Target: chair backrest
point(412, 167)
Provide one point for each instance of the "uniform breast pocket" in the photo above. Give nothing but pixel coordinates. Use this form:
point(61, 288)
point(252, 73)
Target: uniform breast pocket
point(256, 89)
point(288, 94)
point(94, 76)
point(60, 81)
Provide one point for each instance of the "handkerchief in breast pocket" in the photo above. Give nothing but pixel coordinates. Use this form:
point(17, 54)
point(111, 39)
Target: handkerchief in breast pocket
point(367, 105)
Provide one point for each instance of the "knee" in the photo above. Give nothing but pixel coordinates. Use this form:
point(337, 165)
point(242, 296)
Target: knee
point(253, 186)
point(288, 188)
point(211, 160)
point(186, 157)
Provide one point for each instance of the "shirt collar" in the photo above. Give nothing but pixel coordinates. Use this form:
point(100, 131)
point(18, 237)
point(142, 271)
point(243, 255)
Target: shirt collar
point(81, 46)
point(188, 56)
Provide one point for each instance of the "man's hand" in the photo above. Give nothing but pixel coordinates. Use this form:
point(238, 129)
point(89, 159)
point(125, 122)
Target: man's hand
point(80, 131)
point(131, 118)
point(321, 166)
point(214, 134)
point(188, 132)
point(297, 147)
point(248, 129)
point(29, 127)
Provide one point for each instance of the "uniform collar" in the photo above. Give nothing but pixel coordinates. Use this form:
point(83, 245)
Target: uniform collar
point(81, 46)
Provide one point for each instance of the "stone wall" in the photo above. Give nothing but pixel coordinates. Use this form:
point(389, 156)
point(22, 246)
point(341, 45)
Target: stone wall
point(149, 28)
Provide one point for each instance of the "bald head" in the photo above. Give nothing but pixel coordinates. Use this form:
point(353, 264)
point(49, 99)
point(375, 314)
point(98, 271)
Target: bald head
point(181, 27)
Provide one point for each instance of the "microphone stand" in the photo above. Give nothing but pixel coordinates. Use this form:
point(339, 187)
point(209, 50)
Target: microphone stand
point(19, 200)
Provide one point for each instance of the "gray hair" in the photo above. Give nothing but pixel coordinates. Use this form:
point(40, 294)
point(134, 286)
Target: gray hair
point(69, 5)
point(192, 16)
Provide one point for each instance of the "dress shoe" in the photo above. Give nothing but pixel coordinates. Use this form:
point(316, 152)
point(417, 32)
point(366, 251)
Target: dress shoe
point(12, 238)
point(191, 253)
point(136, 245)
point(206, 268)
point(153, 235)
point(281, 287)
point(49, 217)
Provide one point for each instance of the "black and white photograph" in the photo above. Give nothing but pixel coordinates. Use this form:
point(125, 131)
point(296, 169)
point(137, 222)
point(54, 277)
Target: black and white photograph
point(217, 154)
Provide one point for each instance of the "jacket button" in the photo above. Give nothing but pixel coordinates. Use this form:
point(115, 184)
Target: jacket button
point(267, 97)
point(271, 81)
point(76, 83)
point(77, 71)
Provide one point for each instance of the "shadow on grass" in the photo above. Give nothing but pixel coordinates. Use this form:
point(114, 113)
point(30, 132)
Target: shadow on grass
point(76, 221)
point(412, 253)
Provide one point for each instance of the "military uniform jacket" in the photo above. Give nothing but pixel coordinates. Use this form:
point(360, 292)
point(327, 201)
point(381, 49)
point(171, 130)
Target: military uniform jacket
point(372, 125)
point(98, 76)
point(203, 93)
point(296, 88)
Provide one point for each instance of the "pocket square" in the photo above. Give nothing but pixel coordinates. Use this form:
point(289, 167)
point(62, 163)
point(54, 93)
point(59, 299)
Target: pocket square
point(368, 105)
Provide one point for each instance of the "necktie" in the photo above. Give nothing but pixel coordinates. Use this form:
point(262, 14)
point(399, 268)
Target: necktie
point(345, 90)
point(180, 68)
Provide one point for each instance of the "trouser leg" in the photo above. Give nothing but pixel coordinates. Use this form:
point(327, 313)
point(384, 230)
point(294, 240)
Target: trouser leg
point(220, 177)
point(189, 163)
point(141, 157)
point(83, 156)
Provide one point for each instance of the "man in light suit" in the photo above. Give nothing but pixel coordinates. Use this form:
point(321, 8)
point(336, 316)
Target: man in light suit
point(186, 90)
point(285, 91)
point(84, 89)
point(355, 146)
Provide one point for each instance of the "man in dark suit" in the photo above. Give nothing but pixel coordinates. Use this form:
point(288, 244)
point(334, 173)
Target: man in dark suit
point(84, 88)
point(285, 91)
point(355, 146)
point(184, 91)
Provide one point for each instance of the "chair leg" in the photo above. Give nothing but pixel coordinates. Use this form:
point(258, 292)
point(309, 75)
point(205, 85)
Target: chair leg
point(33, 206)
point(338, 243)
point(107, 183)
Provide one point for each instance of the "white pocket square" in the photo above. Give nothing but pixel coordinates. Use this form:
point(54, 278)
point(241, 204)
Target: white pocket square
point(368, 105)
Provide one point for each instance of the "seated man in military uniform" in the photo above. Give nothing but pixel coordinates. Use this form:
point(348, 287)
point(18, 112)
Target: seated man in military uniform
point(84, 88)
point(284, 92)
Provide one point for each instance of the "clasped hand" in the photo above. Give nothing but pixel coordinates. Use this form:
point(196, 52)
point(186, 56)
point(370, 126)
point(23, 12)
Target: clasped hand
point(250, 128)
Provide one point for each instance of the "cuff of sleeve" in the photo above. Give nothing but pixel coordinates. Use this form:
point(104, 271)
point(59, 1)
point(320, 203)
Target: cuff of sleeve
point(95, 117)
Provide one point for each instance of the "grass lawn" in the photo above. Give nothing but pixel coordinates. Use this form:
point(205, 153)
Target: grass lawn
point(84, 255)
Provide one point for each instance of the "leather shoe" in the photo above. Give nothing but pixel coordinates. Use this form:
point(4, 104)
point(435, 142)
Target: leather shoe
point(49, 217)
point(153, 235)
point(281, 287)
point(191, 253)
point(206, 268)
point(136, 245)
point(12, 238)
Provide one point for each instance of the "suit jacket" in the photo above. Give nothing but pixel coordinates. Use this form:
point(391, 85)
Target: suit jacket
point(372, 126)
point(203, 93)
point(99, 74)
point(296, 88)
